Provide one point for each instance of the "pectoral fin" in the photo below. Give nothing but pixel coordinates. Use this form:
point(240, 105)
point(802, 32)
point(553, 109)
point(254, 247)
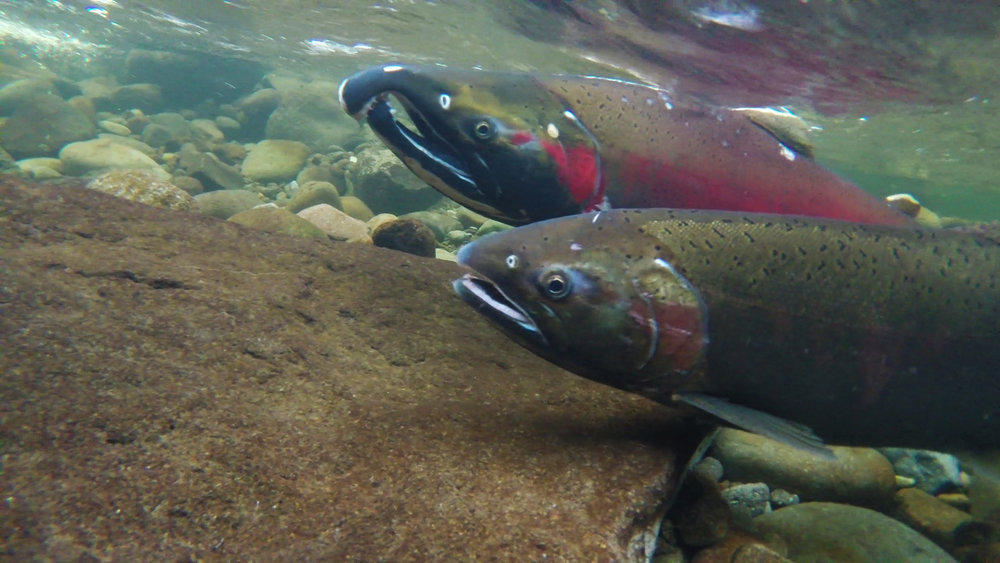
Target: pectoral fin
point(751, 420)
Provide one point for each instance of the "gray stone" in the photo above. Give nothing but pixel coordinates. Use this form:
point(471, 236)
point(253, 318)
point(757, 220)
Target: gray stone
point(46, 165)
point(206, 132)
point(312, 115)
point(178, 130)
point(43, 125)
point(387, 186)
point(226, 203)
point(748, 499)
point(275, 160)
point(96, 155)
point(440, 223)
point(188, 79)
point(225, 123)
point(208, 169)
point(859, 476)
point(189, 184)
point(934, 472)
point(781, 498)
point(823, 531)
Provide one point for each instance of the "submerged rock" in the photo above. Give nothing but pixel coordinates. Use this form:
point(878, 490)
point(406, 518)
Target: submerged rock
point(275, 160)
point(859, 476)
point(934, 472)
point(825, 531)
point(43, 125)
point(273, 219)
point(929, 516)
point(440, 223)
point(386, 185)
point(311, 114)
point(226, 203)
point(85, 157)
point(143, 187)
point(407, 235)
point(314, 193)
point(336, 224)
point(210, 392)
point(208, 169)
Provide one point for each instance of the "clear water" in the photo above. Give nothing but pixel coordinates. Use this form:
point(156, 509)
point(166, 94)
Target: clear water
point(904, 95)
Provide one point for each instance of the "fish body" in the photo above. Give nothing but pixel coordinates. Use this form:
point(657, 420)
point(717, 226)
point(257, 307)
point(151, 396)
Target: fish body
point(868, 334)
point(523, 147)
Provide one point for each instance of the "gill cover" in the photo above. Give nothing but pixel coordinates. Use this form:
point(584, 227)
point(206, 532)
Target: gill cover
point(616, 314)
point(499, 143)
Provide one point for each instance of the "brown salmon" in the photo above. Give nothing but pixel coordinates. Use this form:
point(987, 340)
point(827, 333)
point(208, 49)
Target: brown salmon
point(524, 147)
point(870, 335)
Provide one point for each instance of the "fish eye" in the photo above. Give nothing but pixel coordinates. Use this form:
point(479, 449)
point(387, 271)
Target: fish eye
point(555, 284)
point(484, 129)
point(512, 261)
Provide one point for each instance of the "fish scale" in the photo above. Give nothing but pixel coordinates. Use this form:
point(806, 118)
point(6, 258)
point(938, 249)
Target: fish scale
point(870, 335)
point(523, 147)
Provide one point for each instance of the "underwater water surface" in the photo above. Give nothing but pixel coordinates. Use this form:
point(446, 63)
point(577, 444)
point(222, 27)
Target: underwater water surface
point(224, 105)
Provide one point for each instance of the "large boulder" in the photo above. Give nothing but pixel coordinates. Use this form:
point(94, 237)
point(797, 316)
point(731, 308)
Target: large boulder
point(179, 387)
point(313, 115)
point(43, 125)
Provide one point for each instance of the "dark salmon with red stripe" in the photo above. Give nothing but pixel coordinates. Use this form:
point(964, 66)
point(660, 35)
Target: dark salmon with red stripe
point(524, 147)
point(870, 335)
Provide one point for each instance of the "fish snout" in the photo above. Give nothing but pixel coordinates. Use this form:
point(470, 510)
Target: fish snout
point(358, 92)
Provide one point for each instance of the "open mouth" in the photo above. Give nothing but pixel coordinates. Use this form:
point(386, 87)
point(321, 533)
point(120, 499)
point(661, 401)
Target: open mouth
point(484, 296)
point(427, 152)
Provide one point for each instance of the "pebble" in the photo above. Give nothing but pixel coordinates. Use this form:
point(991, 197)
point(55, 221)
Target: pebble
point(710, 468)
point(748, 500)
point(112, 127)
point(227, 123)
point(208, 169)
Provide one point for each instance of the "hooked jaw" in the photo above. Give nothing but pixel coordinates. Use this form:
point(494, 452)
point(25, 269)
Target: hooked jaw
point(430, 151)
point(484, 296)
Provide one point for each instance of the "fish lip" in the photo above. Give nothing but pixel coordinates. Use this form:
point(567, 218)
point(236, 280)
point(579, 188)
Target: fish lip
point(464, 178)
point(487, 298)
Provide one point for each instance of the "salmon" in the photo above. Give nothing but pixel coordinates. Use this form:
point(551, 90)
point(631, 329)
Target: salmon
point(521, 148)
point(866, 334)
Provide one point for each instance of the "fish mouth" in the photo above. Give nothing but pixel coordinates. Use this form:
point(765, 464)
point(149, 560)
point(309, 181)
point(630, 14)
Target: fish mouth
point(487, 298)
point(428, 149)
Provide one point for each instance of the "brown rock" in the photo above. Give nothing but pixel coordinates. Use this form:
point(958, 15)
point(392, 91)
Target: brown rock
point(336, 224)
point(176, 387)
point(701, 517)
point(860, 476)
point(929, 516)
point(274, 219)
point(407, 235)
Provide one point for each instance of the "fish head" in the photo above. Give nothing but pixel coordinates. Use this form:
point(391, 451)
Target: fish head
point(498, 143)
point(594, 295)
